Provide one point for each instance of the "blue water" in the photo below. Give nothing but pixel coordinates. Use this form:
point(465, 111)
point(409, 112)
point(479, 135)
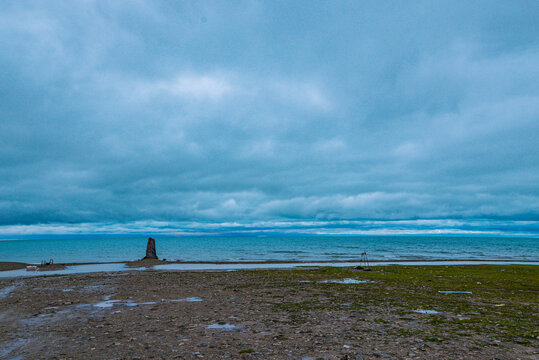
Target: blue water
point(331, 248)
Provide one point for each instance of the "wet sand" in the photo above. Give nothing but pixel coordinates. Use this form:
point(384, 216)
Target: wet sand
point(164, 261)
point(5, 266)
point(329, 313)
point(17, 270)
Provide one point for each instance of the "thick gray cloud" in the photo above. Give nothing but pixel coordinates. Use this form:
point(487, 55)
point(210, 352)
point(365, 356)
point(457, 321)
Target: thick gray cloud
point(255, 112)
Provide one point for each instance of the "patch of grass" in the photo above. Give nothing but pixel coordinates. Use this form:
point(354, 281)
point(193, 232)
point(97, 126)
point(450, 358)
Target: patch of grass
point(246, 351)
point(401, 289)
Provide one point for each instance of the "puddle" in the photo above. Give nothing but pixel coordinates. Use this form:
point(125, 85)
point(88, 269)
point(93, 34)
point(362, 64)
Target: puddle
point(8, 289)
point(455, 292)
point(114, 303)
point(93, 288)
point(121, 267)
point(75, 269)
point(189, 299)
point(82, 311)
point(5, 314)
point(240, 266)
point(224, 327)
point(9, 347)
point(346, 281)
point(5, 291)
point(430, 312)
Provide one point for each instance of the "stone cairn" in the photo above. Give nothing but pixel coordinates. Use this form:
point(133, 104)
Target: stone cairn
point(150, 250)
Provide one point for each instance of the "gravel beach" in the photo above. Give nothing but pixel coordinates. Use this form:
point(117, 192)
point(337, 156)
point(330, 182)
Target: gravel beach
point(394, 312)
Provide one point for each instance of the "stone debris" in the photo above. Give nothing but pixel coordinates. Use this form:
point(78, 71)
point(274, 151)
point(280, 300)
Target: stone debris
point(239, 315)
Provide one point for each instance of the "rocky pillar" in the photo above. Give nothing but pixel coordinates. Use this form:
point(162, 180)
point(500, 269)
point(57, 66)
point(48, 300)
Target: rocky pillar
point(150, 249)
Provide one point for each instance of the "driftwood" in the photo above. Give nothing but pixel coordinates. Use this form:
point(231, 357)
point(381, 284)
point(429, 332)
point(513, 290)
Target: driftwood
point(150, 250)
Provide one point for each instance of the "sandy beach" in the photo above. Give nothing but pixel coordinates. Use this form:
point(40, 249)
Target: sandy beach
point(399, 312)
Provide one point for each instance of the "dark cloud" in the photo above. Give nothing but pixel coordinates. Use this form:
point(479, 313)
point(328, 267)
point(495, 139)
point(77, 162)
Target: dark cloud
point(266, 112)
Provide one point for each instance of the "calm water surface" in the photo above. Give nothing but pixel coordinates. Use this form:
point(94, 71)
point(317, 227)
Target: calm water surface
point(331, 248)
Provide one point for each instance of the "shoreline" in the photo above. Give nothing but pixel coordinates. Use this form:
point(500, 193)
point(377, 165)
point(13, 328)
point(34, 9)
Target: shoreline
point(163, 261)
point(19, 270)
point(307, 261)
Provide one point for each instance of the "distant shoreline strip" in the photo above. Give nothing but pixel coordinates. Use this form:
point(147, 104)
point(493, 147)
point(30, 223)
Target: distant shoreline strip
point(209, 266)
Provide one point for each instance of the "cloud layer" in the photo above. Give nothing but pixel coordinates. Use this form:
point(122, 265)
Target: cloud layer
point(268, 112)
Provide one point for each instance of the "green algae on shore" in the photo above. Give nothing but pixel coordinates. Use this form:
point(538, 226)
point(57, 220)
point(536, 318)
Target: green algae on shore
point(278, 313)
point(501, 302)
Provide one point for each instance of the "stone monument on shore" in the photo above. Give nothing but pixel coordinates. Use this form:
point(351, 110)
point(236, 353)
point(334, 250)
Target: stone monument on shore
point(150, 250)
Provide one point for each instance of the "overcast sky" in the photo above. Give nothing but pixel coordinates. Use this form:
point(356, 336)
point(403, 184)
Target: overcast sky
point(318, 114)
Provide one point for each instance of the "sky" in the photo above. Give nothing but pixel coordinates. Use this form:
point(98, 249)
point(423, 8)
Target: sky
point(302, 116)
